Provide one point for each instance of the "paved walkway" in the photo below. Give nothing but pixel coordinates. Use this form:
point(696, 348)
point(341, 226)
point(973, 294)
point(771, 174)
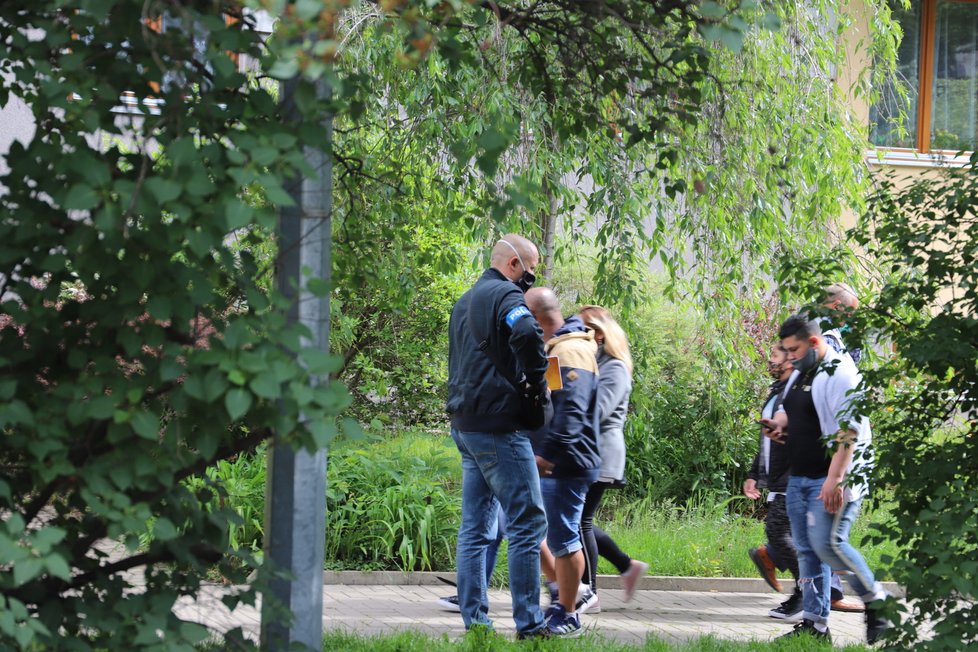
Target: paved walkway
point(670, 615)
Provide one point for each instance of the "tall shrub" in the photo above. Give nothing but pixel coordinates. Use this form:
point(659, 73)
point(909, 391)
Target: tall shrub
point(138, 345)
point(923, 399)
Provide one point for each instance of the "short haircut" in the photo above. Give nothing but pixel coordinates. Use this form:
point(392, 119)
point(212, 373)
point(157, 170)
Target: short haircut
point(799, 326)
point(842, 293)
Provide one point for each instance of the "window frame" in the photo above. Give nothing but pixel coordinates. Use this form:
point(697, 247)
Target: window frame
point(925, 83)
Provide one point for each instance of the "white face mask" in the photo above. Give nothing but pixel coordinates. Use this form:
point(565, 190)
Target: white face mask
point(524, 282)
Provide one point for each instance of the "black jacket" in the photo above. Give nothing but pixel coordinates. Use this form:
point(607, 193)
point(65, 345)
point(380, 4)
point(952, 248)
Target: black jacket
point(570, 440)
point(481, 397)
point(776, 479)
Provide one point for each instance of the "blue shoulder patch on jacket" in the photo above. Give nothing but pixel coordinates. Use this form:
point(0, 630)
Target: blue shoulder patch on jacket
point(517, 314)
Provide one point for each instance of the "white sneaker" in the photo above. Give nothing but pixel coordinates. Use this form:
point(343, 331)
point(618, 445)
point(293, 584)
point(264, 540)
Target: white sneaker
point(587, 600)
point(449, 602)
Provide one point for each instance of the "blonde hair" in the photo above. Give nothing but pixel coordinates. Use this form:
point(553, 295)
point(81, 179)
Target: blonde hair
point(615, 341)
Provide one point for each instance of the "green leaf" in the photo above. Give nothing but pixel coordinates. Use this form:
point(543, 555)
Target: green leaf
point(237, 402)
point(265, 386)
point(8, 387)
point(81, 197)
point(323, 431)
point(237, 215)
point(160, 307)
point(284, 68)
point(26, 570)
point(164, 530)
point(319, 362)
point(146, 425)
point(711, 9)
point(16, 412)
point(48, 537)
point(193, 632)
point(57, 566)
point(100, 407)
point(164, 190)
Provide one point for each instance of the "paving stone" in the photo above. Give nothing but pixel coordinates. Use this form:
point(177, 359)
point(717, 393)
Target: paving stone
point(671, 615)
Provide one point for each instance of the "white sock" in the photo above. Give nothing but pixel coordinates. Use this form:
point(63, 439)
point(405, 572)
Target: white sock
point(821, 627)
point(552, 586)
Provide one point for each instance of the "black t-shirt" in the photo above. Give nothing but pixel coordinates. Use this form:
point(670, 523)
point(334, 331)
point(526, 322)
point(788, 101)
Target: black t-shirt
point(807, 453)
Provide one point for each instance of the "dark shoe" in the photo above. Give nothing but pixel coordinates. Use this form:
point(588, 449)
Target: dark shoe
point(564, 624)
point(790, 610)
point(848, 606)
point(542, 632)
point(449, 602)
point(876, 625)
point(766, 567)
point(807, 628)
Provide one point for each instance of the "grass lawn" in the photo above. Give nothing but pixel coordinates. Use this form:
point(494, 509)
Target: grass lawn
point(700, 539)
point(480, 642)
point(707, 541)
point(703, 541)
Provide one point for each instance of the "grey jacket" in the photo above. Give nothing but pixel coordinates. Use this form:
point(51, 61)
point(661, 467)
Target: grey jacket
point(614, 388)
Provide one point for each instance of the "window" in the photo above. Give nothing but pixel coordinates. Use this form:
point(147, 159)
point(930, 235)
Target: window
point(935, 89)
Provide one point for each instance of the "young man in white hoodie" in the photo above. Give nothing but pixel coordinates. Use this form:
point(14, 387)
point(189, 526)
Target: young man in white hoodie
point(829, 452)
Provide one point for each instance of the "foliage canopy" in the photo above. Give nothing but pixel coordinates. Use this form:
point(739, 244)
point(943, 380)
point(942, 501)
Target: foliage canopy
point(141, 342)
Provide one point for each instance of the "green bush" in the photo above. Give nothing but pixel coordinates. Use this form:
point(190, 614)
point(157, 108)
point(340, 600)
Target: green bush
point(392, 501)
point(391, 507)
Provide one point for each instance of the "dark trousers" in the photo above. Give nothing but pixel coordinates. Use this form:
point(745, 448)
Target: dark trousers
point(591, 502)
point(596, 541)
point(780, 547)
point(608, 549)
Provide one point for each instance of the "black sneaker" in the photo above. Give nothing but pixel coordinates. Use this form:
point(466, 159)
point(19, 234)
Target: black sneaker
point(876, 625)
point(542, 632)
point(449, 602)
point(790, 610)
point(807, 628)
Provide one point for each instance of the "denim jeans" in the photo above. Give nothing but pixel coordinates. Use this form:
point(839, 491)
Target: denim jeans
point(496, 537)
point(563, 500)
point(499, 467)
point(822, 542)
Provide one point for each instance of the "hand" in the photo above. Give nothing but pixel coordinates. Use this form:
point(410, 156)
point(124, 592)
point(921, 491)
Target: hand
point(750, 489)
point(544, 467)
point(773, 430)
point(831, 494)
point(536, 392)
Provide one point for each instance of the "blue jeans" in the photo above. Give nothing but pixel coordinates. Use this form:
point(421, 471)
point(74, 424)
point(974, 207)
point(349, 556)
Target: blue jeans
point(496, 537)
point(499, 469)
point(563, 500)
point(822, 542)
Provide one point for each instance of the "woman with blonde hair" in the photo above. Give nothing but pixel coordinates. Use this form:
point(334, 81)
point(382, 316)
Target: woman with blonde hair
point(614, 389)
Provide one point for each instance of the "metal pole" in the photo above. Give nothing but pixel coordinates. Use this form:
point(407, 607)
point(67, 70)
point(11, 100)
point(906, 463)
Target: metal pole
point(295, 498)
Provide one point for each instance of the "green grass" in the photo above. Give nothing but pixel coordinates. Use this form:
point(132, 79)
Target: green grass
point(706, 540)
point(700, 541)
point(482, 642)
point(416, 476)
